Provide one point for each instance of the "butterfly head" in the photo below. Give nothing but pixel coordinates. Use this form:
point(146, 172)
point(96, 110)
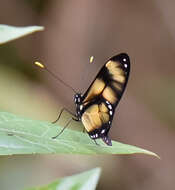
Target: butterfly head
point(77, 98)
point(78, 103)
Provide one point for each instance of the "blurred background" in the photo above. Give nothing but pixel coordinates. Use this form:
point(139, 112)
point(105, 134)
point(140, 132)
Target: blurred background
point(74, 31)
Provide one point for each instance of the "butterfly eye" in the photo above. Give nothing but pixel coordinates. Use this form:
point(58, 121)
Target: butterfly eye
point(77, 98)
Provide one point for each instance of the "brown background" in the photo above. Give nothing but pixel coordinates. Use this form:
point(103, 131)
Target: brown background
point(75, 30)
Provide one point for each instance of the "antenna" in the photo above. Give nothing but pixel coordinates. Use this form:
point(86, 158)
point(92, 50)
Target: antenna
point(56, 77)
point(91, 59)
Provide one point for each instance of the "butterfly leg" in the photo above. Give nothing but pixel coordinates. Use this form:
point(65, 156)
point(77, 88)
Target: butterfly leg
point(75, 119)
point(96, 142)
point(84, 130)
point(63, 109)
point(63, 128)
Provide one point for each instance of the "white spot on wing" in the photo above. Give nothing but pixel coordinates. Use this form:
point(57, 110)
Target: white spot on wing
point(110, 112)
point(81, 107)
point(110, 107)
point(103, 131)
point(107, 102)
point(125, 65)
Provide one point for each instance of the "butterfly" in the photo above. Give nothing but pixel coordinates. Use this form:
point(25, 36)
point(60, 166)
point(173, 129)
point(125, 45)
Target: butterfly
point(96, 107)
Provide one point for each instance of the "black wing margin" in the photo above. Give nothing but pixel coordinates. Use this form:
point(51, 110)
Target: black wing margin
point(111, 80)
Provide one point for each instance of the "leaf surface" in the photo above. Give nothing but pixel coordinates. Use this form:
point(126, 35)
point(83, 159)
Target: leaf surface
point(9, 33)
point(19, 135)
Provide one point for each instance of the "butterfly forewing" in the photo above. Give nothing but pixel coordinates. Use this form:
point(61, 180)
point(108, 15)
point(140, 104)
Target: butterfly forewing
point(103, 95)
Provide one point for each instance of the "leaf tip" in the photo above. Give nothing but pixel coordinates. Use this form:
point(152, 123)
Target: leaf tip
point(152, 154)
point(41, 28)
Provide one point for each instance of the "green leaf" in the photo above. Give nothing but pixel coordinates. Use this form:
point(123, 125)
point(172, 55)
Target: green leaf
point(85, 181)
point(25, 136)
point(9, 33)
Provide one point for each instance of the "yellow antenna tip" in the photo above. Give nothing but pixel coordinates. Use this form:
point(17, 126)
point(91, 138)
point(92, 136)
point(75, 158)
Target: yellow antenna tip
point(39, 64)
point(91, 59)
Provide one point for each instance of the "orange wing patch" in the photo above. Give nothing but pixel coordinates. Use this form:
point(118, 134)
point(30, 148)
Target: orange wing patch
point(109, 95)
point(104, 117)
point(95, 116)
point(103, 108)
point(116, 85)
point(96, 88)
point(117, 73)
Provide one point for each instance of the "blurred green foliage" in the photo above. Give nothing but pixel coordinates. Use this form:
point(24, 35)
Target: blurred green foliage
point(9, 57)
point(85, 181)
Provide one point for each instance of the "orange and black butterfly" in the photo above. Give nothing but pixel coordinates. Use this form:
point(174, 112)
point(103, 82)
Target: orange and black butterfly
point(96, 107)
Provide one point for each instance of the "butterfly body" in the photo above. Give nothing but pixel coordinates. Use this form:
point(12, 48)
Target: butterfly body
point(96, 107)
